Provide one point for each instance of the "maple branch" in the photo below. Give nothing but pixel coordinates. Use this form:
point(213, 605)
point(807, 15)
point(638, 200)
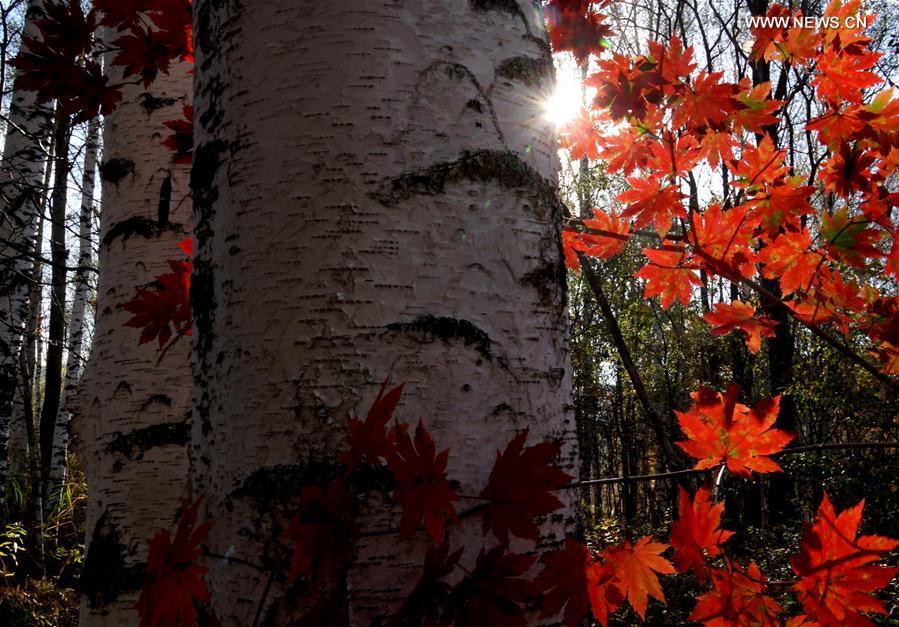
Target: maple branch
point(655, 420)
point(824, 335)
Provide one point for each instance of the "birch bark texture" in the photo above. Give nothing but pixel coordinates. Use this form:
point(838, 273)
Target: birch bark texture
point(21, 176)
point(130, 415)
point(374, 196)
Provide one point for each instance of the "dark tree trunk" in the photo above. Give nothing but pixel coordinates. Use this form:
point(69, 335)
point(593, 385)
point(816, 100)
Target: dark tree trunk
point(57, 327)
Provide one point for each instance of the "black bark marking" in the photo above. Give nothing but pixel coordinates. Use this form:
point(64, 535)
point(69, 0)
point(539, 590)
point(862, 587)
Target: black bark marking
point(152, 103)
point(500, 166)
point(530, 71)
point(161, 399)
point(105, 575)
point(165, 201)
point(133, 445)
point(550, 280)
point(500, 6)
point(281, 485)
point(139, 226)
point(206, 163)
point(114, 170)
point(447, 329)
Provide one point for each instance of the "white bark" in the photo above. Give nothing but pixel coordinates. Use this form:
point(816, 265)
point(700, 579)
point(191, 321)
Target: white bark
point(28, 388)
point(131, 410)
point(80, 299)
point(374, 192)
point(21, 173)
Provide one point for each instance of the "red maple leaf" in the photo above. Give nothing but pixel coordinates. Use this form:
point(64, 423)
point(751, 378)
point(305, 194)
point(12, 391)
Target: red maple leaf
point(576, 28)
point(696, 535)
point(791, 259)
point(122, 13)
point(165, 306)
point(424, 605)
point(422, 489)
point(181, 141)
point(669, 276)
point(564, 583)
point(723, 241)
point(520, 488)
point(580, 136)
point(843, 75)
point(754, 109)
point(143, 52)
point(835, 567)
point(495, 591)
point(651, 201)
point(625, 86)
point(737, 598)
point(721, 430)
point(322, 533)
point(624, 151)
point(371, 439)
point(739, 316)
point(707, 102)
point(636, 567)
point(174, 578)
point(848, 171)
point(758, 166)
point(605, 594)
point(849, 239)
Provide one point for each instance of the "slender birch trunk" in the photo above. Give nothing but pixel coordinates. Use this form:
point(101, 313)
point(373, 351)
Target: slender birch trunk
point(374, 196)
point(130, 414)
point(30, 354)
point(21, 173)
point(60, 440)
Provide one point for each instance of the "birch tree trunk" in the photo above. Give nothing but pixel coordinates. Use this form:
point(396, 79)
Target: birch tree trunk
point(131, 411)
point(30, 352)
point(374, 196)
point(60, 435)
point(21, 172)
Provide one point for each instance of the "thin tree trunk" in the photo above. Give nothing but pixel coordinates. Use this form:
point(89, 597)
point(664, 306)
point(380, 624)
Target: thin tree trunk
point(21, 175)
point(375, 196)
point(24, 406)
point(56, 330)
point(130, 412)
point(80, 299)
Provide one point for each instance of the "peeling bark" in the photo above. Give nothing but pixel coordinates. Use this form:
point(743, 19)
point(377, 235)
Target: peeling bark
point(136, 480)
point(356, 217)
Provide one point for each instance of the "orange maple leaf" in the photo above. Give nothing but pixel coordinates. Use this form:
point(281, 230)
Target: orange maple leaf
point(721, 430)
point(739, 316)
point(650, 201)
point(834, 566)
point(737, 598)
point(696, 535)
point(636, 568)
point(668, 276)
point(791, 259)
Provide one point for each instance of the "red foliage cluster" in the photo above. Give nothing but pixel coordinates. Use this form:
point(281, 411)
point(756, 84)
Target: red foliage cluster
point(655, 118)
point(59, 61)
point(835, 569)
point(163, 308)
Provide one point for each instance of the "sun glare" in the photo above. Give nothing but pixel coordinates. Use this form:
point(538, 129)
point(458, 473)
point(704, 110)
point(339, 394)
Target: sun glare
point(566, 100)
